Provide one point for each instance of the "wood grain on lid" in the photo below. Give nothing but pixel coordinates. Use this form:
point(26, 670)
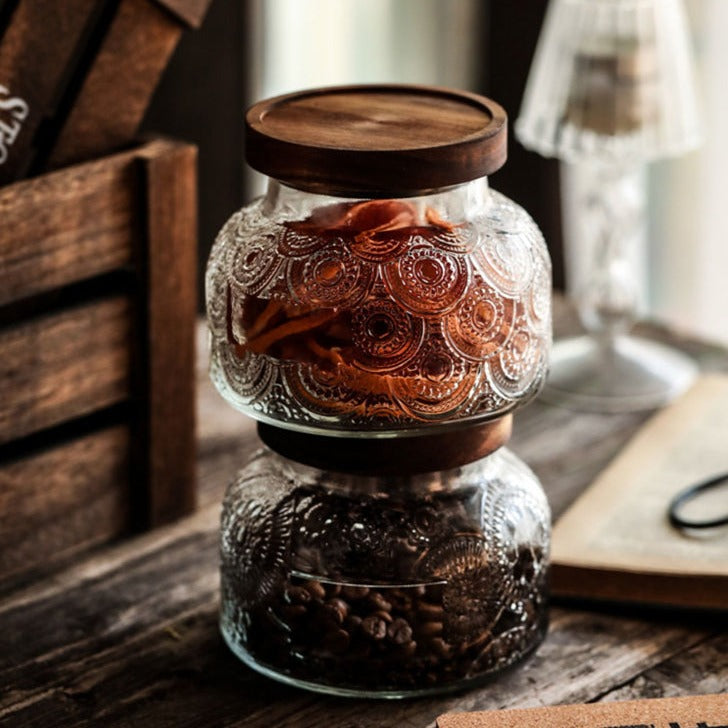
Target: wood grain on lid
point(369, 140)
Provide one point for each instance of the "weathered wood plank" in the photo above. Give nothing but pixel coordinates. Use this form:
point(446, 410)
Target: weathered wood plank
point(128, 632)
point(191, 12)
point(700, 670)
point(66, 227)
point(33, 68)
point(555, 442)
point(64, 365)
point(170, 267)
point(118, 87)
point(135, 210)
point(64, 500)
point(129, 636)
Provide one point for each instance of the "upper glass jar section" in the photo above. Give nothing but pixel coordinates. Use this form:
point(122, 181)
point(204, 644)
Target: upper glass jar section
point(379, 286)
point(379, 315)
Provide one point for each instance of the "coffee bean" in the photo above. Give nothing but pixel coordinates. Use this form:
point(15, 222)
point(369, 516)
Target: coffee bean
point(336, 641)
point(297, 594)
point(429, 629)
point(476, 641)
point(430, 612)
point(440, 647)
point(399, 631)
point(376, 601)
point(316, 589)
point(336, 610)
point(354, 593)
point(401, 601)
point(408, 649)
point(292, 611)
point(386, 616)
point(374, 627)
point(353, 622)
point(389, 638)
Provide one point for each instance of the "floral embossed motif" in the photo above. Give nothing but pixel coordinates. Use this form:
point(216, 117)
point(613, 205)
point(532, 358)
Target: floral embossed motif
point(328, 579)
point(380, 314)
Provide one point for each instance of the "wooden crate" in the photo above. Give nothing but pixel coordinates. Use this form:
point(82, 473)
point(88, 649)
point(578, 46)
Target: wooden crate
point(97, 316)
point(76, 76)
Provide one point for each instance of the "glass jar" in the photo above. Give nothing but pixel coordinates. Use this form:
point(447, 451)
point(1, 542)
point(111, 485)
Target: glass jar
point(384, 586)
point(388, 313)
point(381, 312)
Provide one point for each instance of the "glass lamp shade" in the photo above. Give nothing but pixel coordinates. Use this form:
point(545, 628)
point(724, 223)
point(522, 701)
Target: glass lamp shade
point(611, 80)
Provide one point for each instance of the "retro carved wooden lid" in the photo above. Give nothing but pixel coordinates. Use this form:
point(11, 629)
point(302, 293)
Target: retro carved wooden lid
point(379, 140)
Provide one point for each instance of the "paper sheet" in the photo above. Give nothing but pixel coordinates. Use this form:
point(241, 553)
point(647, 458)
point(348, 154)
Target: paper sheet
point(621, 520)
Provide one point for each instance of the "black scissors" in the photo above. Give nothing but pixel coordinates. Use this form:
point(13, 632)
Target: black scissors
point(685, 496)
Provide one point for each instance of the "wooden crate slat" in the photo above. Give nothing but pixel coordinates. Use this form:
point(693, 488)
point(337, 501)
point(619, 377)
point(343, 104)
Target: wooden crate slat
point(67, 226)
point(64, 500)
point(116, 92)
point(71, 367)
point(170, 173)
point(64, 365)
point(190, 12)
point(33, 65)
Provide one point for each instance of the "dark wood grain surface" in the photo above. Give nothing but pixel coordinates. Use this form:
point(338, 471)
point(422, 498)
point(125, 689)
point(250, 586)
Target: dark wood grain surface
point(59, 502)
point(356, 141)
point(171, 253)
point(63, 365)
point(97, 331)
point(34, 69)
point(191, 12)
point(67, 227)
point(128, 635)
point(118, 86)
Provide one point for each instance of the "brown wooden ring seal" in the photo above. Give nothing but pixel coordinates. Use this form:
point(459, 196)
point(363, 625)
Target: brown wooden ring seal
point(389, 456)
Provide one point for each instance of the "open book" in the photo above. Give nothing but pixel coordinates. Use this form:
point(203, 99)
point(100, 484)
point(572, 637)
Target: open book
point(616, 543)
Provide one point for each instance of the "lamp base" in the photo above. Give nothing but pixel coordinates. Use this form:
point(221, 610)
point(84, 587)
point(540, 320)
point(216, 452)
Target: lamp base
point(627, 374)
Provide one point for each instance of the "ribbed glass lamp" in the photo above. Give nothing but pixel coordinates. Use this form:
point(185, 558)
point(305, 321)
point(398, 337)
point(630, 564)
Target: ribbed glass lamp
point(611, 88)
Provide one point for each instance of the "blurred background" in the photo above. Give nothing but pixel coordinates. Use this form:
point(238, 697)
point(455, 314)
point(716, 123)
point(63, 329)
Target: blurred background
point(251, 49)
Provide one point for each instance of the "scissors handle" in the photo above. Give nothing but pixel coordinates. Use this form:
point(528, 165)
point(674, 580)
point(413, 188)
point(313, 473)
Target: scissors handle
point(684, 496)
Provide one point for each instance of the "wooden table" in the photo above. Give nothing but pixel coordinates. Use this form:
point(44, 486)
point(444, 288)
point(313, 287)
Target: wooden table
point(128, 635)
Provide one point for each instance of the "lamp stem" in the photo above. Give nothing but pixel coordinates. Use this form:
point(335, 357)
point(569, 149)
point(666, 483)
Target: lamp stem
point(614, 202)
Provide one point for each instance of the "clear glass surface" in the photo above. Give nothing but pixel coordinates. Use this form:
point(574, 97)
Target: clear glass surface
point(387, 316)
point(611, 87)
point(611, 79)
point(384, 587)
point(624, 374)
point(609, 370)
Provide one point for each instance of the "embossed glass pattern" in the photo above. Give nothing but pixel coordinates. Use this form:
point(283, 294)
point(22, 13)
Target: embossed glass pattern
point(395, 567)
point(379, 315)
point(385, 586)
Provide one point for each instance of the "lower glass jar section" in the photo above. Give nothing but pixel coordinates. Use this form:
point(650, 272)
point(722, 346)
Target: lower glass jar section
point(384, 586)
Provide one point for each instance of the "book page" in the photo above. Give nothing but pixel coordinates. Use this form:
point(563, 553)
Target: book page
point(621, 519)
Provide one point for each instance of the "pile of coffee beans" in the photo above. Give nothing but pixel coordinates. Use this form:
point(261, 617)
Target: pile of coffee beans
point(386, 594)
point(380, 638)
